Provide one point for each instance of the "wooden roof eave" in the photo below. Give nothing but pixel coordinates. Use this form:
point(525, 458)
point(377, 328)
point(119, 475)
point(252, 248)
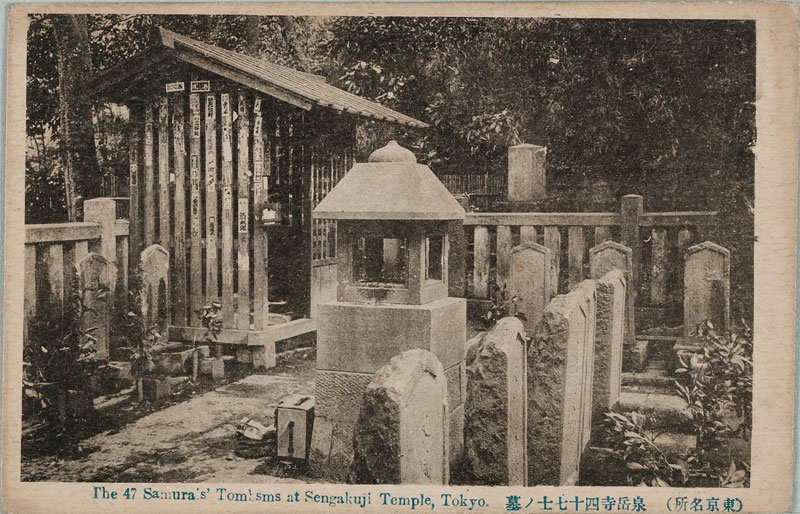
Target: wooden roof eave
point(126, 70)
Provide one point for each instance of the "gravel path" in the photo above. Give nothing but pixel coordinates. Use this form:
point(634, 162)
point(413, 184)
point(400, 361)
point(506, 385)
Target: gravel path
point(192, 441)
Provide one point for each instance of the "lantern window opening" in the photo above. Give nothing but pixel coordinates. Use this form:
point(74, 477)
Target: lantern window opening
point(434, 257)
point(380, 261)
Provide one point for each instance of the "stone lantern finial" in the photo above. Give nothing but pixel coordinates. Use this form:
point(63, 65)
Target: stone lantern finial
point(392, 152)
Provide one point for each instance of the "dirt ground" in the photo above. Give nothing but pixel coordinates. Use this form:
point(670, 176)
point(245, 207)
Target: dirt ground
point(191, 441)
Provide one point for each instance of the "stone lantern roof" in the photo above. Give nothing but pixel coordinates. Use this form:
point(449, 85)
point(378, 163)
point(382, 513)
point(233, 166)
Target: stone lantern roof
point(390, 186)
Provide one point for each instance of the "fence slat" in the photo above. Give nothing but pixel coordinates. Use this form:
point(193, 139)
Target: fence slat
point(163, 173)
point(552, 240)
point(227, 211)
point(527, 234)
point(480, 280)
point(601, 234)
point(577, 247)
point(123, 253)
point(179, 252)
point(195, 216)
point(54, 263)
point(29, 288)
point(503, 255)
point(134, 226)
point(212, 279)
point(243, 223)
point(81, 250)
point(658, 265)
point(261, 163)
point(149, 179)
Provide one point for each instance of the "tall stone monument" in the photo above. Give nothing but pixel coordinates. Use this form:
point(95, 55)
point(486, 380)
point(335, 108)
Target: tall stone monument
point(392, 296)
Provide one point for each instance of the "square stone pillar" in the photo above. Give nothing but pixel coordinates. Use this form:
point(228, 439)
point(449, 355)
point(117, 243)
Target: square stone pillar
point(526, 173)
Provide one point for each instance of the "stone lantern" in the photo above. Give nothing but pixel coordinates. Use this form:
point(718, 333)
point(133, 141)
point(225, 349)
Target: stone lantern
point(392, 252)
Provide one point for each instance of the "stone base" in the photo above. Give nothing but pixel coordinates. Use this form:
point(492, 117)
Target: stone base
point(362, 338)
point(212, 368)
point(263, 357)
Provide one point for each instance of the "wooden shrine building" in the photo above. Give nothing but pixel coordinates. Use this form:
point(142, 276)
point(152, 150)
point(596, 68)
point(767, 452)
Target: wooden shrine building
point(229, 154)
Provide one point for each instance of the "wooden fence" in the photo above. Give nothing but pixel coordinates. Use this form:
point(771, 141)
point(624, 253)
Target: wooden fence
point(52, 252)
point(472, 183)
point(658, 241)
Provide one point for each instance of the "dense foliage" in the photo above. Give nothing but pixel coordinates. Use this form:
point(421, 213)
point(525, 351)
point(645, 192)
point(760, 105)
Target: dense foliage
point(662, 108)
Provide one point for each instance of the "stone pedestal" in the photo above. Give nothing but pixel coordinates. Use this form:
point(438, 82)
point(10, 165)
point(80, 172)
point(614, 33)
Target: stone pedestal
point(353, 342)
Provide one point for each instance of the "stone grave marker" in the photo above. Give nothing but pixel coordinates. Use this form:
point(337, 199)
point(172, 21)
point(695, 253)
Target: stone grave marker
point(560, 378)
point(529, 279)
point(610, 255)
point(402, 435)
point(154, 293)
point(495, 431)
point(608, 341)
point(706, 287)
point(93, 276)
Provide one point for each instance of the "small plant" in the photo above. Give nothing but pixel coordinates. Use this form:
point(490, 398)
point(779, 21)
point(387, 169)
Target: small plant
point(719, 390)
point(210, 319)
point(502, 307)
point(645, 462)
point(141, 339)
point(57, 361)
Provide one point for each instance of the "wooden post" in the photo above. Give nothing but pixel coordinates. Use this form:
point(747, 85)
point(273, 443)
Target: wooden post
point(149, 179)
point(227, 212)
point(103, 211)
point(134, 216)
point(260, 236)
point(243, 212)
point(196, 270)
point(163, 173)
point(179, 245)
point(631, 211)
point(212, 280)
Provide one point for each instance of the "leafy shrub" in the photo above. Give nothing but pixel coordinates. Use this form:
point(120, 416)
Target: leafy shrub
point(719, 394)
point(57, 360)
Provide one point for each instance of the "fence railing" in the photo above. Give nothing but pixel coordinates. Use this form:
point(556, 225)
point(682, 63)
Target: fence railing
point(473, 183)
point(658, 241)
point(53, 250)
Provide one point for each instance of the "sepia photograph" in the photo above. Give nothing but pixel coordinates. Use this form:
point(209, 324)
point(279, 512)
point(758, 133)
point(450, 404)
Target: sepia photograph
point(398, 248)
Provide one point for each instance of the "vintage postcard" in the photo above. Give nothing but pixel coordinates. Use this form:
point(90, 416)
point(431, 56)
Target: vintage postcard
point(388, 257)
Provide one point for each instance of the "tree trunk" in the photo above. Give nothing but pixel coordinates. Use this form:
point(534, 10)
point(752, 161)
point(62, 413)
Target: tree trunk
point(82, 178)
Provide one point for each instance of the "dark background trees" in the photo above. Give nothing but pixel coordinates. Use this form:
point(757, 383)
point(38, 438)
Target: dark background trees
point(662, 108)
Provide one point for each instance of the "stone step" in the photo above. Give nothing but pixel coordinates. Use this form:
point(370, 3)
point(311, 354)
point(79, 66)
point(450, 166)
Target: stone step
point(675, 445)
point(604, 467)
point(666, 412)
point(649, 381)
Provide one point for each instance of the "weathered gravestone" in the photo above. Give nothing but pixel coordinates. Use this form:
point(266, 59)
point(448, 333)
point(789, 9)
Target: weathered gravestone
point(706, 287)
point(529, 280)
point(608, 341)
point(402, 431)
point(93, 273)
point(610, 255)
point(495, 410)
point(154, 292)
point(560, 378)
